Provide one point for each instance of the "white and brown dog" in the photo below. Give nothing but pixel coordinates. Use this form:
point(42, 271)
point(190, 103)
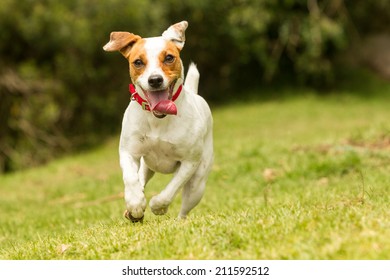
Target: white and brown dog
point(168, 126)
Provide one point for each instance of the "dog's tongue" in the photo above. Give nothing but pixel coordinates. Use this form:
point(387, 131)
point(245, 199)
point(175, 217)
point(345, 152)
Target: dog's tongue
point(159, 102)
point(166, 107)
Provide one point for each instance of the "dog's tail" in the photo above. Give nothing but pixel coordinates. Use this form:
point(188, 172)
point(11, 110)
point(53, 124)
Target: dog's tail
point(192, 79)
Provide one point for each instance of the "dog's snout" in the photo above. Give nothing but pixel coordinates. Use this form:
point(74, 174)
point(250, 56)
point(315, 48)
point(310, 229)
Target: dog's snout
point(155, 81)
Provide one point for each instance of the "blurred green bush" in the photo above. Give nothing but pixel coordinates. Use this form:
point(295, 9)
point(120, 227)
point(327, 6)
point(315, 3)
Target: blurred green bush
point(60, 91)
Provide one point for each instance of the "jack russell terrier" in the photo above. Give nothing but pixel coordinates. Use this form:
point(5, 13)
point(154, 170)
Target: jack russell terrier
point(167, 128)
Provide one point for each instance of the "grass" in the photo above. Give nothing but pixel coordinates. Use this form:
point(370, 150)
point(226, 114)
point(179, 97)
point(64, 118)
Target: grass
point(303, 177)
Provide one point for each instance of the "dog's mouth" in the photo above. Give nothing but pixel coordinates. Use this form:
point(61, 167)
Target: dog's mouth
point(160, 101)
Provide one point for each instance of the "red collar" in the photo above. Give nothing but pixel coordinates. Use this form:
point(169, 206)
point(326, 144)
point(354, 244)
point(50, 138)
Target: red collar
point(144, 103)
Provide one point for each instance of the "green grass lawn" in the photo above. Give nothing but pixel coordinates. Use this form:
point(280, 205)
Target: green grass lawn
point(303, 177)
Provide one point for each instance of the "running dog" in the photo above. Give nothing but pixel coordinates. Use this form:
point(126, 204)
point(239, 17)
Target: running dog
point(167, 127)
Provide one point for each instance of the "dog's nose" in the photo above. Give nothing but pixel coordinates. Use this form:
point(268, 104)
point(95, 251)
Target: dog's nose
point(155, 81)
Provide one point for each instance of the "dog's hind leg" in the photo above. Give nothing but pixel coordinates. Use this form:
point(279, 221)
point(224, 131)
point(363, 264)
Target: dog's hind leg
point(192, 194)
point(194, 189)
point(159, 203)
point(144, 173)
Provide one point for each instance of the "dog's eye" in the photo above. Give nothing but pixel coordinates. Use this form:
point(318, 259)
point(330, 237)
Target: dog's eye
point(169, 59)
point(138, 63)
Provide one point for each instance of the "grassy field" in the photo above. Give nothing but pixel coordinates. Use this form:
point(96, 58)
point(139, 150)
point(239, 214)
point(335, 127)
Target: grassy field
point(294, 178)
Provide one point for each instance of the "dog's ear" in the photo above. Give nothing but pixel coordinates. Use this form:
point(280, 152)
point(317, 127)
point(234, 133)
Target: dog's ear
point(121, 41)
point(175, 33)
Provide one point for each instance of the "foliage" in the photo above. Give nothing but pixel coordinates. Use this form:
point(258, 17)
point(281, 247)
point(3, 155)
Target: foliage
point(59, 90)
point(298, 178)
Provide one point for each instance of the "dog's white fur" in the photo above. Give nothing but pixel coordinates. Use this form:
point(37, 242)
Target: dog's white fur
point(181, 144)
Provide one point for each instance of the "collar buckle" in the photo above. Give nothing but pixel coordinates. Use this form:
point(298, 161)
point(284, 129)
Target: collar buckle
point(145, 106)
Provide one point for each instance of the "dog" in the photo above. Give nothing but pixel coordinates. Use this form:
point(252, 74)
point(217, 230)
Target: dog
point(167, 127)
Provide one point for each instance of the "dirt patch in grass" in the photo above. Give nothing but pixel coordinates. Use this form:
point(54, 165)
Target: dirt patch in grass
point(378, 143)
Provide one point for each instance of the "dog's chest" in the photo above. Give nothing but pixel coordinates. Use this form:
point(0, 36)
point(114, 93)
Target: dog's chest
point(163, 144)
point(163, 152)
point(160, 156)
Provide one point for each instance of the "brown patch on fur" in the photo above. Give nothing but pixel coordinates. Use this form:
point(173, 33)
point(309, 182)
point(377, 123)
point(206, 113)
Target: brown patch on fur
point(172, 70)
point(137, 52)
point(121, 41)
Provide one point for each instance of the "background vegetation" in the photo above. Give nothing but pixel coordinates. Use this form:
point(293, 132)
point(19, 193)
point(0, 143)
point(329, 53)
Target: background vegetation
point(59, 91)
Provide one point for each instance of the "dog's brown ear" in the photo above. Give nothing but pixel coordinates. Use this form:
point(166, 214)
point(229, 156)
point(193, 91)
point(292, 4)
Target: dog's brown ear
point(121, 41)
point(176, 34)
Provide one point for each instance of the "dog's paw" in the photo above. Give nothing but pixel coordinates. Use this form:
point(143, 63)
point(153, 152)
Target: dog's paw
point(128, 216)
point(158, 206)
point(135, 208)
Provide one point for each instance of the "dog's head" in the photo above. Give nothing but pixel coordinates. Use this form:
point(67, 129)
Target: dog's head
point(155, 65)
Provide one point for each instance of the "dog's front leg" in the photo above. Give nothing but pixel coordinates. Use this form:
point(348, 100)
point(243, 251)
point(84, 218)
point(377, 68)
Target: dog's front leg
point(134, 190)
point(159, 204)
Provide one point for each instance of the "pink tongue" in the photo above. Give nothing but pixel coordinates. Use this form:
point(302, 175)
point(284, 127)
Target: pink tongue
point(165, 107)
